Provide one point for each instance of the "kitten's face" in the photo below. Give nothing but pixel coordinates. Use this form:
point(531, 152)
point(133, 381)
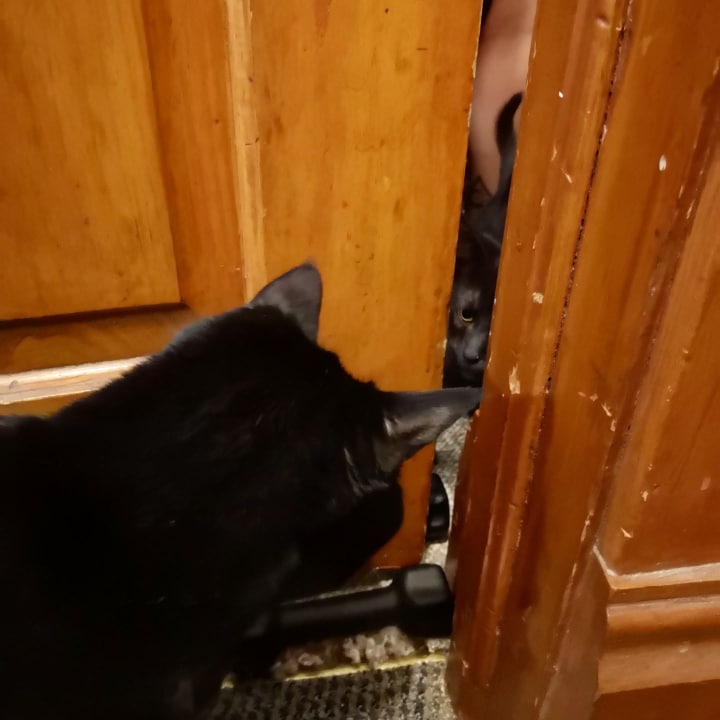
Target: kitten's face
point(470, 312)
point(469, 331)
point(476, 268)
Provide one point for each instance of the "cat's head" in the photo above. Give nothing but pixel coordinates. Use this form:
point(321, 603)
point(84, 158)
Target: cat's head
point(386, 427)
point(470, 311)
point(476, 268)
point(250, 394)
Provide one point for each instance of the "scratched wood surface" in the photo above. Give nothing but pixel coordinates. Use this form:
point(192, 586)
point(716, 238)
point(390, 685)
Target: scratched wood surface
point(607, 457)
point(573, 54)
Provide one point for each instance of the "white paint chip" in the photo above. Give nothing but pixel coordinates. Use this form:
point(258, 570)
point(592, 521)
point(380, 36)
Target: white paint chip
point(613, 425)
point(606, 409)
point(705, 483)
point(662, 163)
point(538, 298)
point(644, 495)
point(593, 397)
point(514, 382)
point(626, 533)
point(560, 94)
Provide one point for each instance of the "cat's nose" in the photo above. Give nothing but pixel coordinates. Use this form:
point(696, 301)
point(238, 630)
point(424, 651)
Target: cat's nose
point(472, 356)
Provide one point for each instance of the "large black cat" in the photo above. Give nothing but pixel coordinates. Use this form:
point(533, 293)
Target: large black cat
point(144, 527)
point(476, 267)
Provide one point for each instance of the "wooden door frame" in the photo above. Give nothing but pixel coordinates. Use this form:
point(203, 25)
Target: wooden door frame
point(618, 137)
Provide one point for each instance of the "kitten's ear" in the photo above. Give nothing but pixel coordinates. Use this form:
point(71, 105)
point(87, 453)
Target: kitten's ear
point(298, 294)
point(414, 419)
point(506, 140)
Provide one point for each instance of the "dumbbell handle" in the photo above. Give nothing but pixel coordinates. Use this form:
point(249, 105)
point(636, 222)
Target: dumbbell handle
point(418, 600)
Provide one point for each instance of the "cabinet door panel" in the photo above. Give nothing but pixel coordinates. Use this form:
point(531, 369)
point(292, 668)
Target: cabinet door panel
point(168, 157)
point(83, 220)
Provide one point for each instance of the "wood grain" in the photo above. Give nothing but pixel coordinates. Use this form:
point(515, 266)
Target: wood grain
point(81, 339)
point(623, 275)
point(653, 618)
point(18, 389)
point(247, 166)
point(692, 659)
point(572, 688)
point(576, 369)
point(691, 580)
point(83, 221)
point(664, 511)
point(362, 116)
point(190, 53)
point(182, 52)
point(573, 53)
point(691, 701)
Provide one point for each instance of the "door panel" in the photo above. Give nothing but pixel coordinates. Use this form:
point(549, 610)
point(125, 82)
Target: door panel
point(700, 701)
point(599, 583)
point(159, 131)
point(362, 164)
point(669, 474)
point(181, 153)
point(83, 220)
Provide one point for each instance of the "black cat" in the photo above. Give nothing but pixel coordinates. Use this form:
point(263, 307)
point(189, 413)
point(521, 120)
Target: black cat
point(144, 527)
point(476, 267)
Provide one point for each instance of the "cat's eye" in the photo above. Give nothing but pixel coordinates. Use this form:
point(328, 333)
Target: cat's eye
point(467, 314)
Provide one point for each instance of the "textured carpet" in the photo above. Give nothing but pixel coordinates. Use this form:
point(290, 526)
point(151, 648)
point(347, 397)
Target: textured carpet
point(412, 691)
point(379, 676)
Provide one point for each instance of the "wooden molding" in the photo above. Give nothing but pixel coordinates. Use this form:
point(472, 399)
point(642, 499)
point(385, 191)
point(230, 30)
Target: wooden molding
point(659, 664)
point(670, 639)
point(632, 622)
point(659, 584)
point(246, 144)
point(17, 389)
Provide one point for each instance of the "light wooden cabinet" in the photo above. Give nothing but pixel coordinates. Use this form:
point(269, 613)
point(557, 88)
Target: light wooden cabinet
point(163, 158)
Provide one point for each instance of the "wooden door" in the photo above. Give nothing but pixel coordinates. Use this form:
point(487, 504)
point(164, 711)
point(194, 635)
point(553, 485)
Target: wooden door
point(586, 548)
point(163, 158)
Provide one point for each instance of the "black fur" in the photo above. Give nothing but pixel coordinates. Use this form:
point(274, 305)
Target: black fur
point(144, 527)
point(476, 268)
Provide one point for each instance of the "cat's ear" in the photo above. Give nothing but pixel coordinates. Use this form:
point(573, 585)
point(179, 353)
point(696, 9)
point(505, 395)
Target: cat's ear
point(297, 294)
point(415, 419)
point(506, 140)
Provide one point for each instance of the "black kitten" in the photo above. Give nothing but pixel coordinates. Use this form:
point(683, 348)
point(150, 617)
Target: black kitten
point(476, 267)
point(144, 527)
